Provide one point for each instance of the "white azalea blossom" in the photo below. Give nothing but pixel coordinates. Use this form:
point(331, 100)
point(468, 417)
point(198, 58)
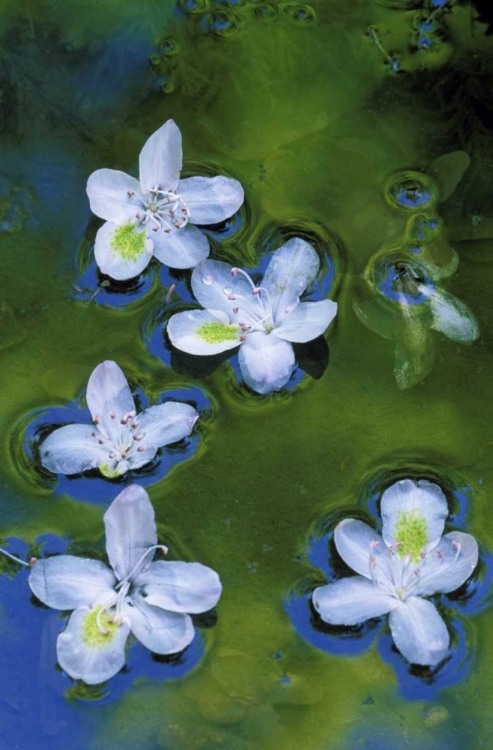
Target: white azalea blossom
point(155, 215)
point(119, 439)
point(264, 320)
point(398, 570)
point(153, 600)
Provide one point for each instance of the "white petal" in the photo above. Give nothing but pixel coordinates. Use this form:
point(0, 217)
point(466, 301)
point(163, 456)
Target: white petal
point(130, 531)
point(307, 321)
point(414, 350)
point(73, 448)
point(160, 160)
point(355, 542)
point(122, 252)
point(453, 318)
point(109, 399)
point(291, 270)
point(448, 565)
point(109, 198)
point(180, 586)
point(351, 601)
point(415, 510)
point(203, 332)
point(160, 631)
point(68, 582)
point(266, 362)
point(182, 248)
point(167, 423)
point(216, 287)
point(211, 200)
point(85, 654)
point(419, 632)
point(138, 458)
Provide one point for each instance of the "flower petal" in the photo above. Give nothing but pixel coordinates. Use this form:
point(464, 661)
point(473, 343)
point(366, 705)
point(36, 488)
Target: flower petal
point(351, 601)
point(217, 287)
point(72, 449)
point(266, 362)
point(180, 586)
point(138, 458)
point(87, 654)
point(160, 631)
point(414, 351)
point(167, 423)
point(203, 332)
point(307, 321)
point(160, 160)
point(68, 582)
point(453, 318)
point(108, 191)
point(181, 248)
point(109, 399)
point(293, 267)
point(419, 632)
point(448, 565)
point(211, 200)
point(355, 542)
point(121, 251)
point(130, 531)
point(413, 514)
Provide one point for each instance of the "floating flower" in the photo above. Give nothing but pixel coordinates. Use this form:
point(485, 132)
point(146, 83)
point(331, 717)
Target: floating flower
point(119, 439)
point(409, 304)
point(153, 600)
point(155, 215)
point(264, 320)
point(410, 561)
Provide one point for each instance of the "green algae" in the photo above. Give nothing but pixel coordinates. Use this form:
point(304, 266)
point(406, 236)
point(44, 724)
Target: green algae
point(312, 121)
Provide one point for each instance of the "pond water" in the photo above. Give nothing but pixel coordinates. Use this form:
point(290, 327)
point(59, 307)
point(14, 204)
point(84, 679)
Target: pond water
point(334, 116)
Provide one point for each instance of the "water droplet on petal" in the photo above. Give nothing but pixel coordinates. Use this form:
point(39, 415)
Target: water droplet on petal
point(227, 290)
point(207, 280)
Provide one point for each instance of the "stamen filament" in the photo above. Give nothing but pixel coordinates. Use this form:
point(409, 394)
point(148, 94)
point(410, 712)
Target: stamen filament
point(140, 561)
point(13, 557)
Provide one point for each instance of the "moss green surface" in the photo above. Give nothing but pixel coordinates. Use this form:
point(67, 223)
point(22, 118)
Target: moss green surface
point(312, 121)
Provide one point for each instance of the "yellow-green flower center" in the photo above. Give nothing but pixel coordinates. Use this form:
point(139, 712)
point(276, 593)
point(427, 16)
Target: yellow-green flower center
point(92, 635)
point(108, 473)
point(216, 333)
point(128, 243)
point(411, 532)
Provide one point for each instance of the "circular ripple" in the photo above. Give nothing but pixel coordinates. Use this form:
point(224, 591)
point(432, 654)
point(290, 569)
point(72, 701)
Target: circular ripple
point(266, 12)
point(400, 279)
point(223, 23)
point(194, 7)
point(300, 13)
point(411, 191)
point(424, 228)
